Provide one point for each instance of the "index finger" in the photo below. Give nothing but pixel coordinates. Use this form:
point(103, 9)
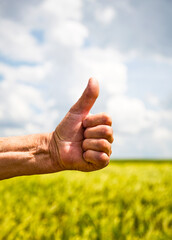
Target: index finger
point(97, 119)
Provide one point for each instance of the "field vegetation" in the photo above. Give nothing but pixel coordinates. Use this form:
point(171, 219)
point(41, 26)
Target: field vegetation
point(125, 201)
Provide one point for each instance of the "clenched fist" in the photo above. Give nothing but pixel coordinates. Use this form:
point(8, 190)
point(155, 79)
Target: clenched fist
point(82, 141)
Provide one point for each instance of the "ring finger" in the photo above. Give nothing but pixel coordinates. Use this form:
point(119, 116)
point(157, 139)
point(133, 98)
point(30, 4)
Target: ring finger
point(100, 145)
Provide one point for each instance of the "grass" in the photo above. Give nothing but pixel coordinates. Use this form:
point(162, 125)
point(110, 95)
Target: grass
point(127, 200)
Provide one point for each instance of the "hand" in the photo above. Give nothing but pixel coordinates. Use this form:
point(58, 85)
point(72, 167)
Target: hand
point(83, 141)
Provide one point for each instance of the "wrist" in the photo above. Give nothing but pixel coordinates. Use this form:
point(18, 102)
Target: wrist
point(46, 155)
point(42, 155)
point(54, 152)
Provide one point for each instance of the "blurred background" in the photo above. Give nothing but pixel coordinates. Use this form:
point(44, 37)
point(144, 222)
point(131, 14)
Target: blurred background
point(49, 49)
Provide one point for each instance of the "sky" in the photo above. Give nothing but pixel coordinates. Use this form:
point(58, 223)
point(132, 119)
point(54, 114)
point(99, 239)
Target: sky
point(49, 49)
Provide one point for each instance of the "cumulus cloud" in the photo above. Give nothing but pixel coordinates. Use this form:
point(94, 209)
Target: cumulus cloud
point(153, 100)
point(68, 33)
point(25, 73)
point(107, 65)
point(105, 15)
point(146, 130)
point(17, 44)
point(45, 78)
point(23, 107)
point(130, 115)
point(142, 26)
point(25, 104)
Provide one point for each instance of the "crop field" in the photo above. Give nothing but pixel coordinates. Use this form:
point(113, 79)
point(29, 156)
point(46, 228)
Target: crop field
point(126, 200)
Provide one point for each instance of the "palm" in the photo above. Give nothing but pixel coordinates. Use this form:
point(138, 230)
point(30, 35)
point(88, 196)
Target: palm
point(70, 135)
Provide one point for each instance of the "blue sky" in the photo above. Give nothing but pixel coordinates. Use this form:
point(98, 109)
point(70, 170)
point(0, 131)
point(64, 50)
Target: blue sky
point(49, 49)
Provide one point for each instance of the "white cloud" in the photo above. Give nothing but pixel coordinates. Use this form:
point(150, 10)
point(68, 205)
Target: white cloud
point(21, 101)
point(49, 13)
point(106, 65)
point(142, 26)
point(23, 106)
point(162, 59)
point(153, 100)
point(29, 74)
point(62, 10)
point(33, 96)
point(129, 114)
point(105, 15)
point(17, 44)
point(162, 134)
point(68, 33)
point(140, 131)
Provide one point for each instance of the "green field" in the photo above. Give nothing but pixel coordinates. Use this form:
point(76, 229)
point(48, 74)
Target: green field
point(123, 201)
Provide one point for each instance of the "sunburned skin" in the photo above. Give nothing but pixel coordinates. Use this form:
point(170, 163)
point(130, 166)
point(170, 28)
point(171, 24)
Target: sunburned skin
point(81, 142)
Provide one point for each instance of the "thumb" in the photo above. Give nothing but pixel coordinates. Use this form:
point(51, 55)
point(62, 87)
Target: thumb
point(88, 98)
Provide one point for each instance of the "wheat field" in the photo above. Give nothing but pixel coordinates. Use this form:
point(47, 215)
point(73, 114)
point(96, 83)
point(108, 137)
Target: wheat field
point(125, 201)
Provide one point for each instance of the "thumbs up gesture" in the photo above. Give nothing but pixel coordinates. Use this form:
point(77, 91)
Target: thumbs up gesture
point(83, 141)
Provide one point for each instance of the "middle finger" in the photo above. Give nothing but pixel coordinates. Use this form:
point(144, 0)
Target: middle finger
point(100, 131)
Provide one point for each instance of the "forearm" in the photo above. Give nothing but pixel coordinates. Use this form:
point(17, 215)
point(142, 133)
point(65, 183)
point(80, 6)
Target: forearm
point(26, 155)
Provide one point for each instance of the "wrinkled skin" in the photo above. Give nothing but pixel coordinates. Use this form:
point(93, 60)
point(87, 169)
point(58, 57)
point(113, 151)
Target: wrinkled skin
point(83, 141)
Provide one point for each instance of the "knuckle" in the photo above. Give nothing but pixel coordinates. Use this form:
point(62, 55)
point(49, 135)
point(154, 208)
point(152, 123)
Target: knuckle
point(108, 131)
point(107, 119)
point(104, 144)
point(104, 159)
point(105, 130)
point(109, 134)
